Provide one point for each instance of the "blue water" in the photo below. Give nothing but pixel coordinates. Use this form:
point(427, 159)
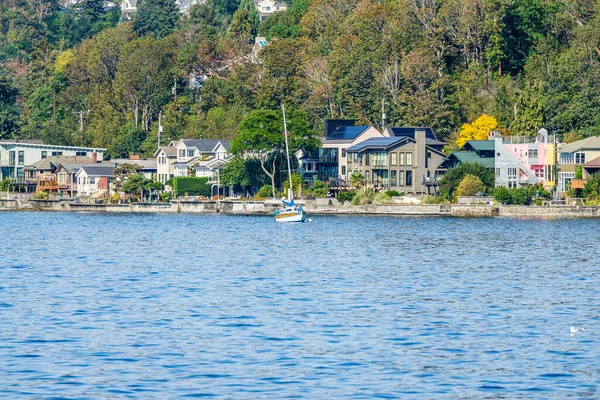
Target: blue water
point(177, 306)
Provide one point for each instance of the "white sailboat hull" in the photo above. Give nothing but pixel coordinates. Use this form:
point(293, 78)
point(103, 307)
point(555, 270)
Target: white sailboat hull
point(290, 214)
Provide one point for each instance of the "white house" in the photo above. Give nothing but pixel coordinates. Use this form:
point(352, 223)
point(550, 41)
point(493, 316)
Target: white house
point(166, 156)
point(129, 7)
point(202, 156)
point(16, 155)
point(268, 7)
point(94, 180)
point(149, 166)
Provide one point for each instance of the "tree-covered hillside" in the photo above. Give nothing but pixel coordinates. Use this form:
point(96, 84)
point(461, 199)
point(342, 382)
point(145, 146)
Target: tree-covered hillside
point(81, 75)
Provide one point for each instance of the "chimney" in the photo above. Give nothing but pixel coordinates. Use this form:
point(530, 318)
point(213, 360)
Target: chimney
point(94, 158)
point(420, 150)
point(134, 156)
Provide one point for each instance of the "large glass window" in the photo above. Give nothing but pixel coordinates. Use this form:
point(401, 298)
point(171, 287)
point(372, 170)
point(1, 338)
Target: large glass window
point(11, 158)
point(379, 160)
point(408, 160)
point(21, 157)
point(409, 176)
point(401, 181)
point(579, 158)
point(393, 177)
point(400, 158)
point(328, 155)
point(393, 158)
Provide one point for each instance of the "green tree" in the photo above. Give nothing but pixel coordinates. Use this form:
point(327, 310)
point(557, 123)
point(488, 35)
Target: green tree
point(452, 179)
point(9, 110)
point(155, 17)
point(470, 185)
point(261, 137)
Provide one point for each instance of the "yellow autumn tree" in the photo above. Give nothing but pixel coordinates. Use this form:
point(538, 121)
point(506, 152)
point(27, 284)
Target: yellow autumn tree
point(477, 130)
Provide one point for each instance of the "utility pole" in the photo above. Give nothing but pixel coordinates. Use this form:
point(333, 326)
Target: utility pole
point(382, 114)
point(159, 134)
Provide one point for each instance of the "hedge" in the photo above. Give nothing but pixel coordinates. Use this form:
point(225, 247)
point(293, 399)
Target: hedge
point(193, 186)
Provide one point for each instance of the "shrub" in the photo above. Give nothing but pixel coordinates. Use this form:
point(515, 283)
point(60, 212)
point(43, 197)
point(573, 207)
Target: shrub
point(319, 189)
point(41, 196)
point(502, 195)
point(363, 196)
point(4, 184)
point(265, 191)
point(520, 196)
point(591, 190)
point(394, 193)
point(346, 196)
point(193, 186)
point(451, 180)
point(166, 196)
point(470, 185)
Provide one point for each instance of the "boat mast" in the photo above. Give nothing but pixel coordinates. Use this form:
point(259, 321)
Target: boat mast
point(287, 151)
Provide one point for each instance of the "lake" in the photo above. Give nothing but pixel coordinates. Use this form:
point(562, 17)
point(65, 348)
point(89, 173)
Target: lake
point(185, 306)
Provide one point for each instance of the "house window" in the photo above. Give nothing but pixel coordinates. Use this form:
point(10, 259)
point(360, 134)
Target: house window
point(92, 180)
point(409, 174)
point(80, 153)
point(57, 153)
point(579, 158)
point(190, 153)
point(366, 158)
point(21, 157)
point(400, 158)
point(497, 172)
point(181, 153)
point(343, 170)
point(533, 153)
point(393, 158)
point(408, 160)
point(11, 158)
point(343, 153)
point(44, 154)
point(393, 177)
point(379, 160)
point(512, 172)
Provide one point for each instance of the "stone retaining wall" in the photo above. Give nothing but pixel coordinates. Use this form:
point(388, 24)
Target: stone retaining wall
point(311, 206)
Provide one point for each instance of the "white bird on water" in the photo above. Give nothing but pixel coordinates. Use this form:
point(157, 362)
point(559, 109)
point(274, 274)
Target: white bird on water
point(576, 330)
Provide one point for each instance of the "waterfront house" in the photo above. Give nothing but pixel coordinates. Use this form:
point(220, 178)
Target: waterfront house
point(522, 160)
point(268, 7)
point(402, 163)
point(474, 151)
point(339, 136)
point(200, 157)
point(17, 155)
point(94, 180)
point(166, 156)
point(572, 155)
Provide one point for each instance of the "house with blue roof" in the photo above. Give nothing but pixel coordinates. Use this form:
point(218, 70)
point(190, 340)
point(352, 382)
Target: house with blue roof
point(403, 163)
point(340, 134)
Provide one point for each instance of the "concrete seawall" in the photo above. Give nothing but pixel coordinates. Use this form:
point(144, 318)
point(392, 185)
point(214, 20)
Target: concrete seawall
point(319, 206)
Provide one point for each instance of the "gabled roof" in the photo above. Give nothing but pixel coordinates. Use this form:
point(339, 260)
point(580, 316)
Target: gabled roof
point(170, 151)
point(146, 164)
point(348, 133)
point(591, 143)
point(379, 143)
point(55, 161)
point(205, 145)
point(410, 131)
point(595, 163)
point(470, 157)
point(98, 170)
point(480, 145)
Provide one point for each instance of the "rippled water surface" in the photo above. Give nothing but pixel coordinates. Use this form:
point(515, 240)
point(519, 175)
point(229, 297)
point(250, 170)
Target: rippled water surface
point(175, 306)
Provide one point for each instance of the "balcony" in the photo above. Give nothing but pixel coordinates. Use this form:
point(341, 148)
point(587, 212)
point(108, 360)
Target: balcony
point(431, 180)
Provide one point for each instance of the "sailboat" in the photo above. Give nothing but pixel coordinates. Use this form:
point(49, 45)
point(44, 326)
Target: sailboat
point(289, 212)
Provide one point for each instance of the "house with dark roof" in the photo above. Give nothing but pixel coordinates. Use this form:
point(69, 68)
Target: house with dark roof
point(403, 163)
point(200, 157)
point(474, 151)
point(94, 180)
point(403, 131)
point(339, 136)
point(149, 165)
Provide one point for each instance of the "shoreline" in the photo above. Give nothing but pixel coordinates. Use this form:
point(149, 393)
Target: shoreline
point(315, 207)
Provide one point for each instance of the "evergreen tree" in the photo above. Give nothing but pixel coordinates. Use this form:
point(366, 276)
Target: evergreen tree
point(155, 17)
